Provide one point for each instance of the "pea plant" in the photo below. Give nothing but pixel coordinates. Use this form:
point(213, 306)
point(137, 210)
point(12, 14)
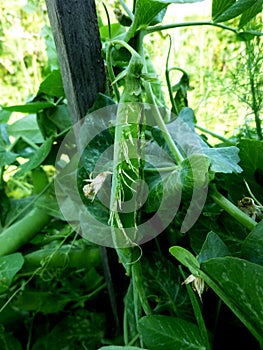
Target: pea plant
point(180, 219)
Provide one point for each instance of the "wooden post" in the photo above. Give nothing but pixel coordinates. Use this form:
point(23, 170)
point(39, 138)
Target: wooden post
point(76, 34)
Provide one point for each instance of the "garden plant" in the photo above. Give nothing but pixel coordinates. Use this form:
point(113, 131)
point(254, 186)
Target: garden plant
point(130, 229)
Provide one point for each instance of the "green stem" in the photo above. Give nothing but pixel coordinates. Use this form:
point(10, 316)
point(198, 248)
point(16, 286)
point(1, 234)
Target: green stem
point(198, 313)
point(138, 284)
point(168, 81)
point(252, 69)
point(189, 24)
point(111, 72)
point(231, 209)
point(161, 170)
point(219, 137)
point(127, 10)
point(161, 124)
point(21, 232)
point(158, 117)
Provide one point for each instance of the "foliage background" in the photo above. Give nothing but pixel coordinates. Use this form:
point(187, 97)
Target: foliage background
point(208, 55)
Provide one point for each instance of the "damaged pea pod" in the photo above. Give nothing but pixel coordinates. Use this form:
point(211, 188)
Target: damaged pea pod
point(128, 161)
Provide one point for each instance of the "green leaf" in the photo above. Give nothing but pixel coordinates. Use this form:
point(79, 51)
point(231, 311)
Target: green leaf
point(26, 127)
point(186, 258)
point(116, 30)
point(168, 186)
point(46, 33)
point(147, 11)
point(239, 283)
point(252, 248)
point(81, 330)
point(32, 107)
point(39, 156)
point(219, 6)
point(169, 333)
point(250, 13)
point(116, 347)
point(6, 157)
point(194, 171)
point(9, 266)
point(224, 159)
point(251, 161)
point(4, 116)
point(4, 137)
point(213, 247)
point(60, 117)
point(53, 85)
point(162, 283)
point(236, 9)
point(45, 302)
point(8, 341)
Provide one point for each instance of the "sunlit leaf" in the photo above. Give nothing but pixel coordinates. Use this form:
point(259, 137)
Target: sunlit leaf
point(219, 6)
point(39, 156)
point(52, 85)
point(250, 13)
point(26, 127)
point(236, 9)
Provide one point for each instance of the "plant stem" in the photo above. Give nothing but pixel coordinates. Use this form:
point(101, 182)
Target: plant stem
point(219, 137)
point(168, 81)
point(111, 72)
point(252, 68)
point(138, 284)
point(231, 209)
point(197, 312)
point(189, 24)
point(158, 117)
point(127, 10)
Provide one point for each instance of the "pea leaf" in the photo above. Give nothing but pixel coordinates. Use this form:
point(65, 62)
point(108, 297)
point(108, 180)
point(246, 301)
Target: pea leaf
point(251, 161)
point(147, 11)
point(252, 248)
point(53, 85)
point(6, 157)
point(220, 6)
point(224, 159)
point(116, 347)
point(4, 116)
point(236, 9)
point(32, 107)
point(8, 341)
point(9, 266)
point(250, 13)
point(213, 247)
point(39, 156)
point(239, 283)
point(169, 333)
point(185, 258)
point(26, 127)
point(46, 33)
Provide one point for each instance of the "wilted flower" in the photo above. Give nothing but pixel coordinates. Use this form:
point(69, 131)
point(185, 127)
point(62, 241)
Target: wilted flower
point(198, 284)
point(90, 190)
